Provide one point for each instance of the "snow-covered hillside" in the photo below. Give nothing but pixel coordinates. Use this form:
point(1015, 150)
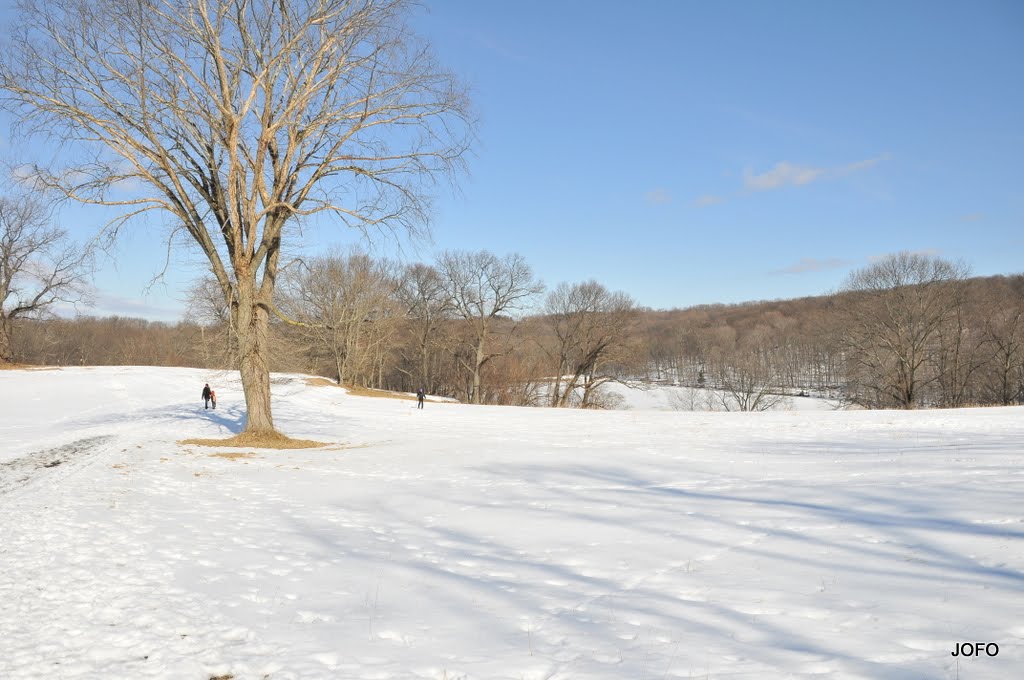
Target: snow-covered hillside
point(497, 543)
point(660, 397)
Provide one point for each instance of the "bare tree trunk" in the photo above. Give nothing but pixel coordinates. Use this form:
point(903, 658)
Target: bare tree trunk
point(6, 350)
point(480, 359)
point(252, 321)
point(556, 390)
point(588, 391)
point(570, 389)
point(424, 367)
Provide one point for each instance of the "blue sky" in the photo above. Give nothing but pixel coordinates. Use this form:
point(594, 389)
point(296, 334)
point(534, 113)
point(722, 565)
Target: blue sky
point(704, 152)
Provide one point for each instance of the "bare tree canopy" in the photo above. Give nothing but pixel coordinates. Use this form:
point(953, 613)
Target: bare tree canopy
point(893, 321)
point(590, 325)
point(422, 294)
point(236, 117)
point(481, 287)
point(39, 266)
point(344, 304)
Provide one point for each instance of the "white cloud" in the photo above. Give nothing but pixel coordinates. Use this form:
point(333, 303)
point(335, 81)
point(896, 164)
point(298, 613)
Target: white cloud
point(783, 174)
point(658, 195)
point(707, 199)
point(860, 165)
point(788, 174)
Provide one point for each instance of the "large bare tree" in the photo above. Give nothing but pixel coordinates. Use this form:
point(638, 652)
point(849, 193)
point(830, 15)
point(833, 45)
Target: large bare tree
point(892, 321)
point(483, 287)
point(1003, 327)
point(39, 266)
point(747, 382)
point(236, 118)
point(591, 325)
point(427, 304)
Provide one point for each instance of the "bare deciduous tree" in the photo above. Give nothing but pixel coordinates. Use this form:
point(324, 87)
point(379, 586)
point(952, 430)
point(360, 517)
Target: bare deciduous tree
point(747, 383)
point(892, 322)
point(38, 266)
point(422, 292)
point(481, 287)
point(236, 118)
point(960, 353)
point(743, 369)
point(1003, 327)
point(344, 305)
point(590, 325)
point(218, 343)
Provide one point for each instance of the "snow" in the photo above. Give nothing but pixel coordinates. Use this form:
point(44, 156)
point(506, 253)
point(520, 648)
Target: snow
point(497, 543)
point(656, 397)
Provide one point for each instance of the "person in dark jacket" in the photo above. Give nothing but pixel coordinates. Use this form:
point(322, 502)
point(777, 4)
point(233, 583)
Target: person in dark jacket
point(420, 394)
point(206, 396)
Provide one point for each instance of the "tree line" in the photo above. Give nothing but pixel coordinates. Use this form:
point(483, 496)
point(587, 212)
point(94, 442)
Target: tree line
point(907, 331)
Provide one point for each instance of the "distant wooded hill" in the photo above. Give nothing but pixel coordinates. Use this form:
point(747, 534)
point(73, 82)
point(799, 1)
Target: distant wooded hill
point(945, 343)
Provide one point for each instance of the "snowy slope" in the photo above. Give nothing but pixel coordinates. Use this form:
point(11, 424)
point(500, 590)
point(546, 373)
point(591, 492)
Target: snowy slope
point(655, 397)
point(497, 543)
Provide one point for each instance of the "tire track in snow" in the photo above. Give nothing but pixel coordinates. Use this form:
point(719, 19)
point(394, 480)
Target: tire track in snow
point(40, 465)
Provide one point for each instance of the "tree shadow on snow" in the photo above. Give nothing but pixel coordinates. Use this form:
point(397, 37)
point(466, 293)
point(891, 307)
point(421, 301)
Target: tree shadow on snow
point(494, 580)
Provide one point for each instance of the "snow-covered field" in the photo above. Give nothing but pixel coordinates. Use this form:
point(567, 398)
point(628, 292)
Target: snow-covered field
point(498, 543)
point(654, 397)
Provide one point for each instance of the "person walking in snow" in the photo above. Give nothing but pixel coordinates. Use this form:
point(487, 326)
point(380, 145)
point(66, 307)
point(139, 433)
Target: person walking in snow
point(213, 398)
point(206, 396)
point(420, 394)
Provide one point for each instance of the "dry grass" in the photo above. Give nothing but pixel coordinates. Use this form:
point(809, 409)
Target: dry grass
point(234, 455)
point(272, 440)
point(26, 367)
point(360, 391)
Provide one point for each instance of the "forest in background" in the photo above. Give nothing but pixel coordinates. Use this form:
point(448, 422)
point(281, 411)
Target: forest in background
point(912, 331)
